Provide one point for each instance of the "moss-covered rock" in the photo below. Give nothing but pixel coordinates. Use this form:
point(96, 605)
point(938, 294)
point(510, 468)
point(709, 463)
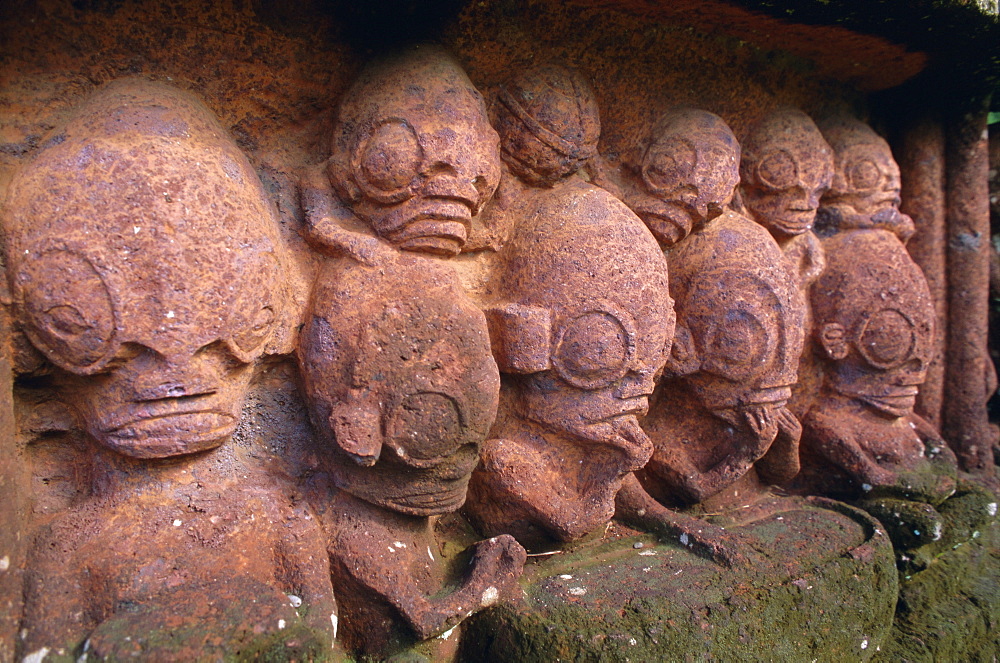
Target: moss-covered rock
point(823, 588)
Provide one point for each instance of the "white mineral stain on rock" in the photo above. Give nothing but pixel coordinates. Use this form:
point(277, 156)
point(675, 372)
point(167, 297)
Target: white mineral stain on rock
point(489, 597)
point(36, 656)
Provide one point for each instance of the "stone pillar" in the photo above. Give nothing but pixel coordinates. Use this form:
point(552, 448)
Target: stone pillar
point(969, 377)
point(922, 164)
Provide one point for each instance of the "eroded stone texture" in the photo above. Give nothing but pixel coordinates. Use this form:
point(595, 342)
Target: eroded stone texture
point(922, 169)
point(865, 190)
point(150, 318)
point(413, 152)
point(785, 169)
point(580, 321)
point(862, 440)
point(734, 361)
point(681, 176)
point(402, 389)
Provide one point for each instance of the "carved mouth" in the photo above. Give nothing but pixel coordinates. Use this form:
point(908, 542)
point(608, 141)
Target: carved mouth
point(775, 396)
point(172, 434)
point(897, 403)
point(445, 498)
point(441, 228)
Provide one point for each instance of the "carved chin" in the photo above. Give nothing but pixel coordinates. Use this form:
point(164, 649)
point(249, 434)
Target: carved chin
point(795, 222)
point(170, 435)
point(891, 407)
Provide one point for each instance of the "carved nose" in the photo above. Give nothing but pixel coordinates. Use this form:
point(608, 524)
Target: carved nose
point(636, 384)
point(174, 376)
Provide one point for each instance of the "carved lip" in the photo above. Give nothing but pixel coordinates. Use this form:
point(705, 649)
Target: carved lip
point(898, 402)
point(449, 497)
point(171, 433)
point(637, 406)
point(777, 396)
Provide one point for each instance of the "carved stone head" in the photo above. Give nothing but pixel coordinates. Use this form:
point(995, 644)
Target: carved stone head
point(739, 320)
point(786, 168)
point(413, 152)
point(586, 321)
point(866, 185)
point(400, 381)
point(145, 263)
point(687, 174)
point(548, 122)
point(874, 320)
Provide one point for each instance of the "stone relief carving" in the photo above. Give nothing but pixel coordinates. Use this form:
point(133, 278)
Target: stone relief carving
point(864, 192)
point(581, 322)
point(416, 162)
point(874, 329)
point(785, 169)
point(403, 389)
point(734, 361)
point(148, 271)
point(152, 319)
point(683, 175)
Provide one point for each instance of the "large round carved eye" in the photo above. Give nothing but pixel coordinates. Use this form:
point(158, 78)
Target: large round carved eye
point(778, 170)
point(864, 175)
point(668, 164)
point(594, 350)
point(390, 159)
point(737, 348)
point(426, 426)
point(888, 339)
point(68, 311)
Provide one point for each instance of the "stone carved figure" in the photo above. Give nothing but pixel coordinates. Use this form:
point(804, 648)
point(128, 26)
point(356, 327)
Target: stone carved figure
point(145, 264)
point(403, 388)
point(785, 169)
point(683, 175)
point(580, 321)
point(865, 189)
point(548, 123)
point(874, 324)
point(413, 153)
point(721, 409)
point(720, 417)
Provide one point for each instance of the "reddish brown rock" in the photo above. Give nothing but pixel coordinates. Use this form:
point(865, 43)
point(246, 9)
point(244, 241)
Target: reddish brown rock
point(580, 321)
point(413, 153)
point(150, 319)
point(862, 440)
point(681, 176)
point(970, 379)
point(785, 169)
point(865, 190)
point(734, 360)
point(402, 390)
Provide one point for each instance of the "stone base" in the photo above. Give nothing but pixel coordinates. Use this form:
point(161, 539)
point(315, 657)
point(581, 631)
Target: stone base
point(824, 587)
point(950, 611)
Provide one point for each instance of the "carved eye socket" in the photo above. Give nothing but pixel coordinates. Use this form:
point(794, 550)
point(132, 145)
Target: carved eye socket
point(426, 426)
point(68, 311)
point(888, 339)
point(778, 171)
point(594, 350)
point(669, 163)
point(864, 175)
point(737, 348)
point(391, 158)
